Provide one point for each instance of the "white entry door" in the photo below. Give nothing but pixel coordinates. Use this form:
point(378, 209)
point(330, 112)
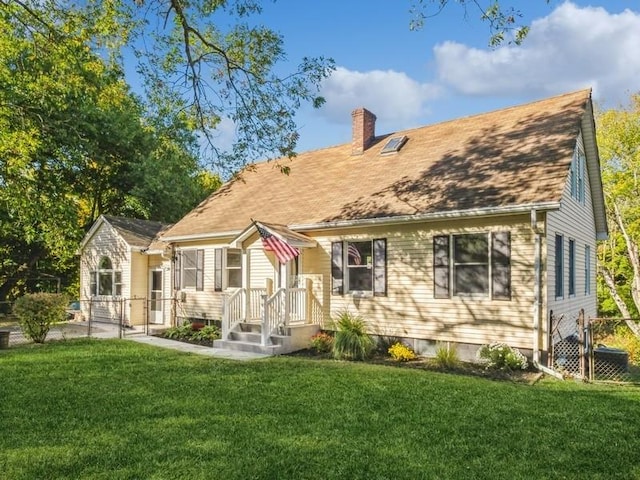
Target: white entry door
point(155, 296)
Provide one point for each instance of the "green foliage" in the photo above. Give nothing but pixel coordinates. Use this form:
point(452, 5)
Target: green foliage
point(617, 334)
point(503, 20)
point(189, 331)
point(37, 312)
point(618, 137)
point(351, 341)
point(500, 356)
point(401, 353)
point(322, 342)
point(446, 356)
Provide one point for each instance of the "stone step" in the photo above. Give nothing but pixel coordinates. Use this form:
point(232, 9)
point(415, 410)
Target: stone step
point(247, 347)
point(249, 337)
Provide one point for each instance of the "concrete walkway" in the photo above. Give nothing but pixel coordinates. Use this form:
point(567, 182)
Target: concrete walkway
point(111, 331)
point(197, 349)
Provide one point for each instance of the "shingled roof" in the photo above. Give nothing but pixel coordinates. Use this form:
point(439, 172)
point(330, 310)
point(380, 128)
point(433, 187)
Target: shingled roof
point(137, 233)
point(517, 156)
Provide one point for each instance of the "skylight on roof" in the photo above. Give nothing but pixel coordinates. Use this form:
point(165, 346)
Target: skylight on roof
point(394, 144)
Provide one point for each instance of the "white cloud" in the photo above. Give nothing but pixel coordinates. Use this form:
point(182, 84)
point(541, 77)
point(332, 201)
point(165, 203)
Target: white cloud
point(390, 95)
point(571, 48)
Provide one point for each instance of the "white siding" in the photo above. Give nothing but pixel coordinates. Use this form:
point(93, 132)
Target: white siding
point(105, 242)
point(574, 221)
point(410, 309)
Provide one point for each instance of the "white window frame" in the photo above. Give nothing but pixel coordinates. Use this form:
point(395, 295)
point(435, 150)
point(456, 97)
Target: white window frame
point(455, 265)
point(367, 264)
point(113, 275)
point(228, 269)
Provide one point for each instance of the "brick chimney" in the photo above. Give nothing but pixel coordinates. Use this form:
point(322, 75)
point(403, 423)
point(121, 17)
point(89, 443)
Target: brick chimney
point(364, 130)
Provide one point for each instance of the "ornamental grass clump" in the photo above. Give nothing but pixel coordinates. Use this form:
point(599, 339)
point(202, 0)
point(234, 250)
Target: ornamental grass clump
point(401, 353)
point(38, 312)
point(500, 356)
point(446, 356)
point(351, 341)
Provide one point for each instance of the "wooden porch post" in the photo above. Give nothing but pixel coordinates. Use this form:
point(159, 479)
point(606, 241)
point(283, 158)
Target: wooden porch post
point(246, 283)
point(308, 285)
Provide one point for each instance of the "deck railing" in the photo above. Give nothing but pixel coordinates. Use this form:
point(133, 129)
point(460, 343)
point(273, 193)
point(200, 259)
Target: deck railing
point(255, 306)
point(297, 306)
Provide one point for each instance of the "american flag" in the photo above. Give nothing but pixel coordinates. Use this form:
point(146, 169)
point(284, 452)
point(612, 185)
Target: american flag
point(281, 249)
point(353, 253)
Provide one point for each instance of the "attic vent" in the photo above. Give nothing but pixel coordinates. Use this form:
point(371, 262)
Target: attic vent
point(394, 144)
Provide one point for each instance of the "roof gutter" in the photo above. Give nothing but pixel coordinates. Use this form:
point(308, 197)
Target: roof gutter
point(412, 218)
point(415, 218)
point(201, 236)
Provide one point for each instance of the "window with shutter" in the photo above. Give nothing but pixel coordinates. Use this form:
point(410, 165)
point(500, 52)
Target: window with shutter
point(501, 265)
point(337, 280)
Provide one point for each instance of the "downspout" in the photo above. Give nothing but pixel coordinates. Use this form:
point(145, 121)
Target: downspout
point(537, 296)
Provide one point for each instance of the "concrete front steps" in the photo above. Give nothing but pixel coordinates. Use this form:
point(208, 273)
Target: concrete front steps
point(246, 337)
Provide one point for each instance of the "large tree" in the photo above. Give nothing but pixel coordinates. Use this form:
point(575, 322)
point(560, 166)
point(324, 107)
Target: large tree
point(619, 145)
point(211, 61)
point(75, 143)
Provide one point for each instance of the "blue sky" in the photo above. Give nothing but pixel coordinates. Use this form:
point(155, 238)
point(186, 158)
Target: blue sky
point(446, 70)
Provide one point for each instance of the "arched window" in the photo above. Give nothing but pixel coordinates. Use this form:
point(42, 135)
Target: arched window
point(106, 281)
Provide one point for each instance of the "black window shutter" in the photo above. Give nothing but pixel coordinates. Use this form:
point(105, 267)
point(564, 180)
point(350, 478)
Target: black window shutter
point(380, 267)
point(177, 270)
point(501, 265)
point(200, 270)
point(441, 266)
point(217, 270)
point(337, 280)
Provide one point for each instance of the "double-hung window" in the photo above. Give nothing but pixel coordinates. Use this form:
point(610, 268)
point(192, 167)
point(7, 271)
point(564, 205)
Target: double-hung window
point(472, 264)
point(106, 280)
point(359, 266)
point(559, 267)
point(189, 268)
point(228, 268)
point(572, 267)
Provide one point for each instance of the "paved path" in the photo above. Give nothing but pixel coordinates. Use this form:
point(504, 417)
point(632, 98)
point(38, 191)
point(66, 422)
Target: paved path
point(197, 349)
point(111, 331)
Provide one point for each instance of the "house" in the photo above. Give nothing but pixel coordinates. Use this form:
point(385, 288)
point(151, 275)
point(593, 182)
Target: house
point(123, 274)
point(467, 231)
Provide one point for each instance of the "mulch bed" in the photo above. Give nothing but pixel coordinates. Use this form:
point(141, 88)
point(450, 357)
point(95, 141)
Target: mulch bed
point(464, 368)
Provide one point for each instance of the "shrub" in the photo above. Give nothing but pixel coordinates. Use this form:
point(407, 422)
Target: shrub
point(622, 337)
point(351, 341)
point(501, 356)
point(180, 332)
point(322, 342)
point(209, 332)
point(37, 312)
point(385, 342)
point(446, 356)
point(401, 353)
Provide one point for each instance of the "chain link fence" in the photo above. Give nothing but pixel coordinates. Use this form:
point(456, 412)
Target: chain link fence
point(95, 317)
point(595, 349)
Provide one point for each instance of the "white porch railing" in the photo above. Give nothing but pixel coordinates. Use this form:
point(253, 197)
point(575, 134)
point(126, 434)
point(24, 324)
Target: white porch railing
point(232, 311)
point(297, 306)
point(255, 306)
point(273, 314)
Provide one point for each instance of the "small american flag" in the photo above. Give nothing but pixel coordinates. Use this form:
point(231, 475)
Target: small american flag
point(281, 249)
point(353, 253)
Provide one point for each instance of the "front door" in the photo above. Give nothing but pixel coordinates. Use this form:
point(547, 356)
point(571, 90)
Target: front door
point(155, 296)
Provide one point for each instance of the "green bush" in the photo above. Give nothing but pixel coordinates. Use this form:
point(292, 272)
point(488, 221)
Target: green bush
point(193, 331)
point(209, 332)
point(37, 312)
point(622, 337)
point(446, 356)
point(401, 353)
point(351, 341)
point(322, 342)
point(501, 356)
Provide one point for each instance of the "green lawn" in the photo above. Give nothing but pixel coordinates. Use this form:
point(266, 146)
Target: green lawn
point(89, 409)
